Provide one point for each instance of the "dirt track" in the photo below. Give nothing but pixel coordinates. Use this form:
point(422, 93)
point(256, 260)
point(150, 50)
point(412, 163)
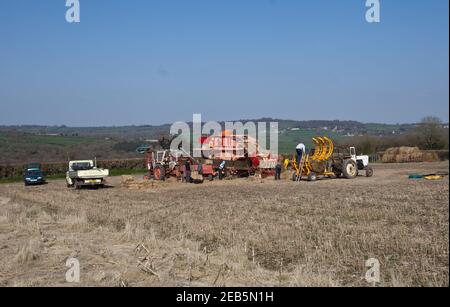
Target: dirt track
point(232, 233)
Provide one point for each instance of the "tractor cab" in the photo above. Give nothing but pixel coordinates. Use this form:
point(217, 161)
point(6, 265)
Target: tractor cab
point(353, 153)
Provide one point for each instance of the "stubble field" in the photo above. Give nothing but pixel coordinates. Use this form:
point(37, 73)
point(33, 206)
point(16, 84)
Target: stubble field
point(242, 232)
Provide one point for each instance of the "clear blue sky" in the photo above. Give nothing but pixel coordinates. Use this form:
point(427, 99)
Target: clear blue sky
point(152, 62)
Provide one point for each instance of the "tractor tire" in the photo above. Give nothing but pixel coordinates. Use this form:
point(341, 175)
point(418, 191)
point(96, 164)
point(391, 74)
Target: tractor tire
point(350, 170)
point(159, 173)
point(210, 177)
point(312, 177)
point(369, 171)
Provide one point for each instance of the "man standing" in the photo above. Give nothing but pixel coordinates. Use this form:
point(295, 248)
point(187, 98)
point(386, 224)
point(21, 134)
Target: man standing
point(221, 169)
point(301, 149)
point(278, 170)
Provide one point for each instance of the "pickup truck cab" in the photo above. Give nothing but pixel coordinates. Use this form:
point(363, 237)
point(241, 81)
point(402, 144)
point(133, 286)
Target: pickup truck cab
point(85, 173)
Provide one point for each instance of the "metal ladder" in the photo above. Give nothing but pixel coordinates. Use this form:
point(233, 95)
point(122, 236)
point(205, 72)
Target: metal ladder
point(300, 165)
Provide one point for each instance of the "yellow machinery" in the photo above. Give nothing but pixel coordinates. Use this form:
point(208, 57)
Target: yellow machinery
point(316, 164)
point(326, 160)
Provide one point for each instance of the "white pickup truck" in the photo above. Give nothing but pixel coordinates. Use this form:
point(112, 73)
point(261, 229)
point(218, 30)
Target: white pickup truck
point(85, 173)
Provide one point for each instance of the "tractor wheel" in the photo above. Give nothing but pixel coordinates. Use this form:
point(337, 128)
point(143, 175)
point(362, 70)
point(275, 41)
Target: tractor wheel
point(350, 170)
point(210, 177)
point(312, 176)
point(159, 173)
point(369, 171)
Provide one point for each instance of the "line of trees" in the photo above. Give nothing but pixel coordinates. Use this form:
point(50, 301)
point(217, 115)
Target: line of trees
point(429, 134)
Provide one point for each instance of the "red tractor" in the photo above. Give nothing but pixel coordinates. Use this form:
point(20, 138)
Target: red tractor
point(164, 164)
point(161, 165)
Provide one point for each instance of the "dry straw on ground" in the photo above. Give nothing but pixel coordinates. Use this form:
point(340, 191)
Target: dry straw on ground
point(231, 233)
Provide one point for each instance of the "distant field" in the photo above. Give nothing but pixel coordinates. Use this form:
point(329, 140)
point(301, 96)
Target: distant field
point(21, 144)
point(16, 147)
point(289, 139)
point(19, 148)
point(243, 232)
point(30, 139)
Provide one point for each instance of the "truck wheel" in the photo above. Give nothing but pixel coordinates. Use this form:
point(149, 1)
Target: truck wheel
point(369, 171)
point(159, 173)
point(312, 176)
point(70, 183)
point(350, 170)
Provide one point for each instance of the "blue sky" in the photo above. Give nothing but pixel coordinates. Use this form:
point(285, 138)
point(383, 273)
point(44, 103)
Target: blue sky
point(153, 62)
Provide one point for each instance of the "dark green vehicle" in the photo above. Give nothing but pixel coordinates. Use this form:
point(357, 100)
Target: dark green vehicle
point(33, 175)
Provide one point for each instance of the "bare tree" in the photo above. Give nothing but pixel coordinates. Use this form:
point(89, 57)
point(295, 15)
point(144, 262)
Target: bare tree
point(430, 133)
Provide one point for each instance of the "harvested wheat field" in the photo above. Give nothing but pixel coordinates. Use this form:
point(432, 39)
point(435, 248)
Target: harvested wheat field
point(238, 232)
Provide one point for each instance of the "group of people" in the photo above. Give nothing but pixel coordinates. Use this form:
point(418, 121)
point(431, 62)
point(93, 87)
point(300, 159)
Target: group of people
point(187, 170)
point(300, 150)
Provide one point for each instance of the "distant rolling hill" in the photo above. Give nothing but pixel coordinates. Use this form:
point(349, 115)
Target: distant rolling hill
point(20, 144)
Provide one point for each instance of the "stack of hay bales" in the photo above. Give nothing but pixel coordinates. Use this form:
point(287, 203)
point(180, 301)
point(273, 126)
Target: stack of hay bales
point(127, 180)
point(407, 155)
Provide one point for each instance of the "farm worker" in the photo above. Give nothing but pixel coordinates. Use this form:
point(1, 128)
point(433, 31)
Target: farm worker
point(221, 169)
point(301, 149)
point(278, 170)
point(187, 171)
